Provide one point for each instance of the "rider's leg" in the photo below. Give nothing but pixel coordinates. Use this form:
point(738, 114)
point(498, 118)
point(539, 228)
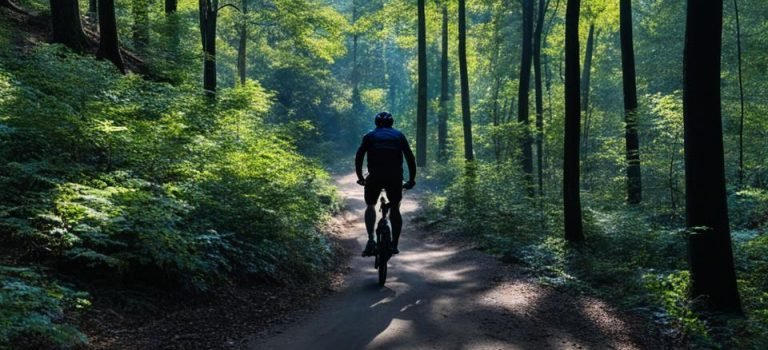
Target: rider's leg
point(370, 220)
point(372, 191)
point(397, 223)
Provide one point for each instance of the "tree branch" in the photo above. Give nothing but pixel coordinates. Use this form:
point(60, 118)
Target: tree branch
point(225, 5)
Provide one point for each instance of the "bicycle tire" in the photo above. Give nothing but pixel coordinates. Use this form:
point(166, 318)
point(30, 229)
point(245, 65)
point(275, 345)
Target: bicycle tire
point(382, 274)
point(384, 255)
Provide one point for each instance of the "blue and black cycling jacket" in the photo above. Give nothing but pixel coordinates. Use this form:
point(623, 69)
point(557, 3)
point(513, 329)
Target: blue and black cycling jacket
point(385, 147)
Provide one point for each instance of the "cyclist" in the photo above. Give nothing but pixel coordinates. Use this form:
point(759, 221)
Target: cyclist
point(385, 147)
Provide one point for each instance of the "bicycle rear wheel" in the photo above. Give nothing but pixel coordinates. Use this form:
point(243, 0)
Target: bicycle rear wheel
point(382, 274)
point(383, 256)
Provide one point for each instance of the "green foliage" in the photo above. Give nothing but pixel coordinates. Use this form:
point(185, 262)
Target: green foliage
point(486, 201)
point(116, 179)
point(748, 208)
point(31, 306)
point(143, 179)
point(630, 256)
point(752, 267)
point(671, 292)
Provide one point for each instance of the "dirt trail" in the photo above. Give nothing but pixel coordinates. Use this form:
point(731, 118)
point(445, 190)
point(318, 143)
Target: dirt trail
point(442, 296)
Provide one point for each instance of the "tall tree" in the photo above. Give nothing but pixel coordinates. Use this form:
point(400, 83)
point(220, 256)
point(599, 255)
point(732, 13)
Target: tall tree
point(67, 28)
point(586, 76)
point(442, 122)
point(421, 111)
point(357, 103)
point(140, 9)
point(465, 111)
point(537, 36)
point(243, 42)
point(209, 12)
point(634, 183)
point(170, 6)
point(571, 195)
point(172, 31)
point(741, 94)
point(522, 96)
point(497, 110)
point(586, 73)
point(710, 254)
point(109, 44)
point(208, 17)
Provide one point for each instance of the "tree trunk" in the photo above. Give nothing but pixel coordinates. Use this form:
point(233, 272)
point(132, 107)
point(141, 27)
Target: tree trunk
point(93, 9)
point(571, 195)
point(243, 43)
point(170, 6)
point(542, 7)
point(522, 96)
point(442, 122)
point(140, 9)
point(586, 75)
point(392, 74)
point(421, 111)
point(465, 111)
point(67, 28)
point(357, 102)
point(634, 183)
point(496, 118)
point(392, 84)
point(109, 45)
point(208, 36)
point(711, 258)
point(172, 35)
point(496, 113)
point(741, 96)
point(587, 70)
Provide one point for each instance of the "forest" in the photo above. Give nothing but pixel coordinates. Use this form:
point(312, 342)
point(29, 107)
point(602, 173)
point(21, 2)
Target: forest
point(159, 150)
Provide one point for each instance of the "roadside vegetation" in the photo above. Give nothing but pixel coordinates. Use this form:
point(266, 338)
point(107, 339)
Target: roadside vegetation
point(187, 146)
point(115, 180)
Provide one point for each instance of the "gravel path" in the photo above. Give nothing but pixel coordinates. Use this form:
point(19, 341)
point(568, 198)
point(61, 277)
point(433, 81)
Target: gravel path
point(442, 295)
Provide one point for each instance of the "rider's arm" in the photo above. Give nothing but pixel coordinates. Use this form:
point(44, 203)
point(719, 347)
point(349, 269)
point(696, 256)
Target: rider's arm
point(359, 158)
point(410, 159)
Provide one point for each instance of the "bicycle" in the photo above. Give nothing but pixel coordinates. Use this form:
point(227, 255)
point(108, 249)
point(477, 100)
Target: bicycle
point(383, 241)
point(383, 245)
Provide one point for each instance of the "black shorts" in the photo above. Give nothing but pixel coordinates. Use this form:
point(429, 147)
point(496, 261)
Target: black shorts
point(393, 185)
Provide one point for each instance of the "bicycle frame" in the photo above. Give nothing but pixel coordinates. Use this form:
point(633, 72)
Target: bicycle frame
point(383, 241)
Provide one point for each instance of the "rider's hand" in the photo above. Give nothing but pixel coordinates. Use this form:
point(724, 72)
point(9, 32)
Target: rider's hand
point(409, 185)
point(361, 182)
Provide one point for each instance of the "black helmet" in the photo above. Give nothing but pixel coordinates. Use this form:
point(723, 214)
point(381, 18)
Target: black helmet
point(384, 119)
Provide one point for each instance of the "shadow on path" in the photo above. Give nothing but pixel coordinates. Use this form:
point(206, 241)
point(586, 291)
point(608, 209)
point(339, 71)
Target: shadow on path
point(440, 296)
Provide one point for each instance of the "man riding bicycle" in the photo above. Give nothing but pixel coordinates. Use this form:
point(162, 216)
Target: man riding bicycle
point(385, 147)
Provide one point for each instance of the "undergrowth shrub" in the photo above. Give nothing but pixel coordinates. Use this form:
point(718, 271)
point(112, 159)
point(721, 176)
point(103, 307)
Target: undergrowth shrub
point(32, 307)
point(115, 176)
point(487, 202)
point(629, 255)
point(118, 180)
point(671, 292)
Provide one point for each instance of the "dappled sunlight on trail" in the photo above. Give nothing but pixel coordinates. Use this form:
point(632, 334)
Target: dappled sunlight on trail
point(440, 296)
